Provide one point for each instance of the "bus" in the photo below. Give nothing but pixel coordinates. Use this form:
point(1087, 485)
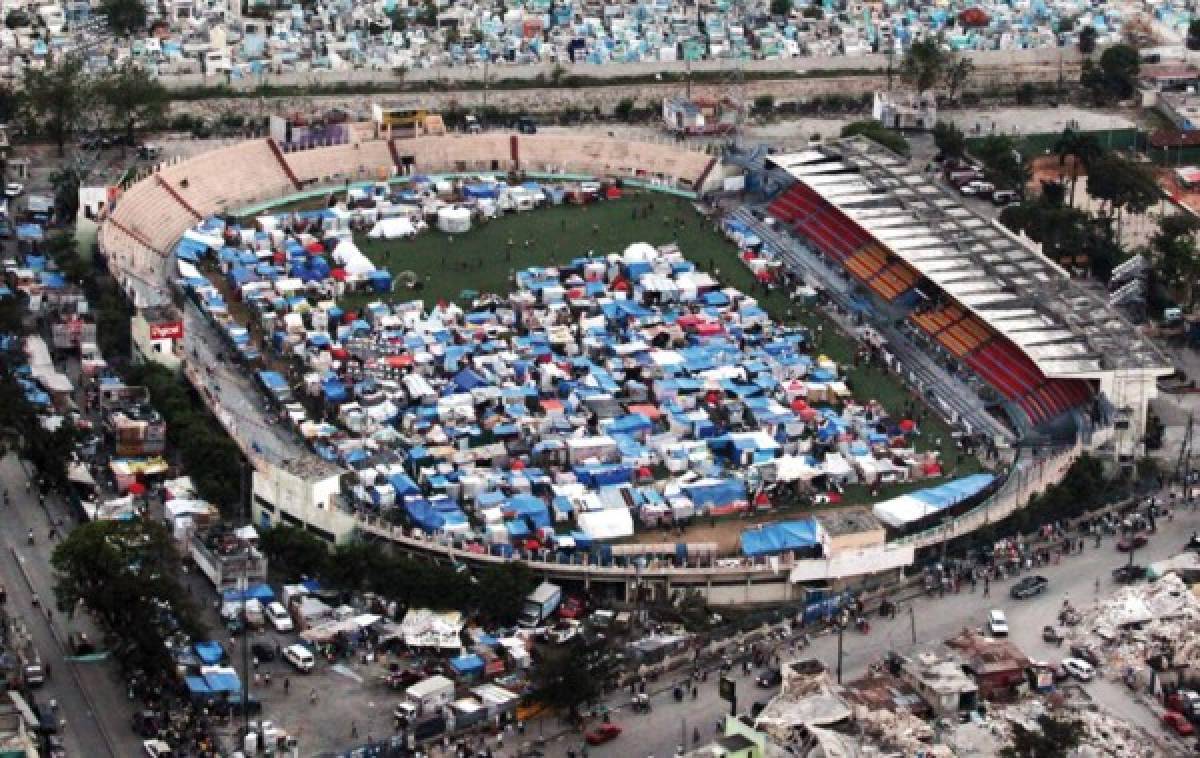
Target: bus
point(399, 116)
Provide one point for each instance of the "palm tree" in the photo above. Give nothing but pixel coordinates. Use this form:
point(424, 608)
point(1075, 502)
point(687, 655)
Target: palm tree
point(1085, 150)
point(957, 75)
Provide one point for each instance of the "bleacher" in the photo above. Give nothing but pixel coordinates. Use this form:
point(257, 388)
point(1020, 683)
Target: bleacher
point(149, 210)
point(1001, 364)
point(229, 177)
point(893, 281)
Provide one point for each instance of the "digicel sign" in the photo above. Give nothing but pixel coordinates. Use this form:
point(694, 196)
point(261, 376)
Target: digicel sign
point(170, 330)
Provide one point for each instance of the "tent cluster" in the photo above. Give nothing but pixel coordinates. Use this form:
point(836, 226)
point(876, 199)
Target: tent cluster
point(611, 394)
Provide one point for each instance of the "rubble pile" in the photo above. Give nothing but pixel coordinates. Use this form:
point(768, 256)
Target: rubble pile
point(899, 730)
point(1144, 620)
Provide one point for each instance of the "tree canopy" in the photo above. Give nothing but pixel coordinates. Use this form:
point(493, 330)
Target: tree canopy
point(133, 99)
point(1087, 40)
point(949, 139)
point(1053, 737)
point(493, 593)
point(924, 64)
point(1122, 185)
point(56, 98)
point(1083, 149)
point(569, 677)
point(1173, 248)
point(125, 573)
point(1002, 163)
point(124, 17)
point(1114, 77)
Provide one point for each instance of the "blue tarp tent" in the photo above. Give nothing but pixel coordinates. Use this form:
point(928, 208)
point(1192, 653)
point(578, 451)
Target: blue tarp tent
point(30, 232)
point(715, 492)
point(467, 664)
point(468, 380)
point(262, 592)
point(403, 485)
point(780, 537)
point(210, 653)
point(917, 505)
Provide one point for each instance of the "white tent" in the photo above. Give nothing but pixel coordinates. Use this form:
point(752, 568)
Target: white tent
point(349, 257)
point(903, 510)
point(609, 524)
point(392, 228)
point(789, 468)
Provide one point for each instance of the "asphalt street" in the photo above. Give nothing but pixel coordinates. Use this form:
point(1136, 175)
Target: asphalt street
point(659, 732)
point(81, 726)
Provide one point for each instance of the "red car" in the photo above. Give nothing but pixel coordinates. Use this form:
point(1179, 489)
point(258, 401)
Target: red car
point(609, 732)
point(571, 608)
point(1178, 722)
point(1132, 542)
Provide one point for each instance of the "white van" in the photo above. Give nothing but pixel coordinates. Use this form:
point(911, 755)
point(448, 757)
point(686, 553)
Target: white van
point(279, 618)
point(997, 624)
point(300, 657)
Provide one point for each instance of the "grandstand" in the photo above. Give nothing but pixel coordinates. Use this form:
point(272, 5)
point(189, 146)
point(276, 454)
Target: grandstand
point(979, 295)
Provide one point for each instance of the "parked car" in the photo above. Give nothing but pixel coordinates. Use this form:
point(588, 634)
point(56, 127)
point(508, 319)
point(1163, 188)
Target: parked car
point(526, 125)
point(1186, 702)
point(1079, 668)
point(602, 734)
point(997, 623)
point(279, 618)
point(1004, 197)
point(6, 230)
point(1086, 652)
point(145, 724)
point(263, 652)
point(1178, 723)
point(1132, 542)
point(769, 678)
point(156, 749)
point(300, 657)
point(1129, 573)
point(13, 189)
point(572, 608)
point(1029, 586)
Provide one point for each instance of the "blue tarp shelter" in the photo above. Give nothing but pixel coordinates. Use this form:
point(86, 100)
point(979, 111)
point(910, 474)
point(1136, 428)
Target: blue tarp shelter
point(210, 653)
point(467, 664)
point(780, 537)
point(915, 506)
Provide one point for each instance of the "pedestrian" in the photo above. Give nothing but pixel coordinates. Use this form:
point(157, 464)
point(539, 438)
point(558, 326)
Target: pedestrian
point(312, 696)
point(353, 730)
point(987, 587)
point(287, 685)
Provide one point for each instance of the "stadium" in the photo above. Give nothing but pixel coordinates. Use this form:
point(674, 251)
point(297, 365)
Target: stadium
point(1001, 339)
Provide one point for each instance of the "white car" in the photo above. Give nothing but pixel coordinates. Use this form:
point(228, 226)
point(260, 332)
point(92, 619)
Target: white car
point(1079, 668)
point(279, 618)
point(300, 657)
point(156, 749)
point(12, 189)
point(997, 624)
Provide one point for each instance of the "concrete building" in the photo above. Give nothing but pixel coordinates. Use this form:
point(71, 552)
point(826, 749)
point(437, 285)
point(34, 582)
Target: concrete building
point(1180, 108)
point(229, 559)
point(907, 110)
point(156, 336)
point(302, 493)
point(941, 682)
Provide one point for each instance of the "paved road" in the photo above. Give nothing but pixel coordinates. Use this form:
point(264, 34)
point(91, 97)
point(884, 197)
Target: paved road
point(83, 731)
point(658, 733)
point(233, 395)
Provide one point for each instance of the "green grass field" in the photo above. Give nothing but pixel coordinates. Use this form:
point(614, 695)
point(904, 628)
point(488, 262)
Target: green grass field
point(481, 260)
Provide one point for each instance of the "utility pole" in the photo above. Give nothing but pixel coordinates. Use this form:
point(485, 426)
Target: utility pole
point(245, 586)
point(1185, 452)
point(841, 627)
point(912, 624)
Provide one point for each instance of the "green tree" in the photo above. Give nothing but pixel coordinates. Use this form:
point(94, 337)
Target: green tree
point(1173, 248)
point(949, 139)
point(781, 7)
point(624, 109)
point(56, 99)
point(1087, 40)
point(1122, 185)
point(125, 573)
point(134, 99)
point(877, 132)
point(764, 104)
point(294, 554)
point(1002, 163)
point(124, 17)
point(500, 591)
point(570, 678)
point(924, 64)
point(1084, 150)
point(1193, 35)
point(958, 73)
point(1114, 77)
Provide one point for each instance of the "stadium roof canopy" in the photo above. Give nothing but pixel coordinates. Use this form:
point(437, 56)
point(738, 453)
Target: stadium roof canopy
point(1067, 330)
